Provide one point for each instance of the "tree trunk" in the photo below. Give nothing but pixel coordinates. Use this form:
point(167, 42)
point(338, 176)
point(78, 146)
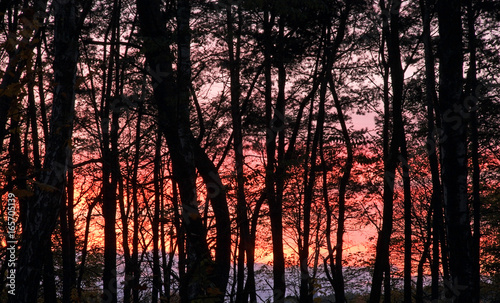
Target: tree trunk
point(250, 285)
point(454, 150)
point(49, 283)
point(431, 144)
point(382, 264)
point(472, 97)
point(275, 206)
point(42, 214)
point(306, 291)
point(338, 276)
point(68, 239)
point(157, 291)
point(425, 255)
point(243, 225)
point(136, 269)
point(204, 279)
point(84, 249)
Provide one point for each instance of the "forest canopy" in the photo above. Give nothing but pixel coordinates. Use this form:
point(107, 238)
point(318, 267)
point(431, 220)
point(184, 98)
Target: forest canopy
point(250, 151)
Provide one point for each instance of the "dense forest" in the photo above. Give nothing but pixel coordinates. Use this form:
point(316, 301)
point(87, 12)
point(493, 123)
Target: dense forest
point(250, 151)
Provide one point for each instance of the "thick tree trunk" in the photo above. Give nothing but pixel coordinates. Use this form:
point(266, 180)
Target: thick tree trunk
point(49, 281)
point(454, 150)
point(42, 214)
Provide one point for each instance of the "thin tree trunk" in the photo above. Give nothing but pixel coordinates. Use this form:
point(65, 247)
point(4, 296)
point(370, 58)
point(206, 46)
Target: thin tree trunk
point(124, 216)
point(84, 251)
point(430, 95)
point(136, 269)
point(338, 274)
point(250, 285)
point(181, 239)
point(68, 239)
point(157, 291)
point(407, 218)
point(110, 166)
point(306, 291)
point(382, 263)
point(425, 255)
point(279, 125)
point(472, 97)
point(397, 77)
point(242, 220)
point(275, 206)
point(41, 93)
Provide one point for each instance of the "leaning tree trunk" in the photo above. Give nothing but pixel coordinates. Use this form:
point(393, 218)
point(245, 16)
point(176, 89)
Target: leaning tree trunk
point(338, 276)
point(204, 278)
point(453, 144)
point(41, 216)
